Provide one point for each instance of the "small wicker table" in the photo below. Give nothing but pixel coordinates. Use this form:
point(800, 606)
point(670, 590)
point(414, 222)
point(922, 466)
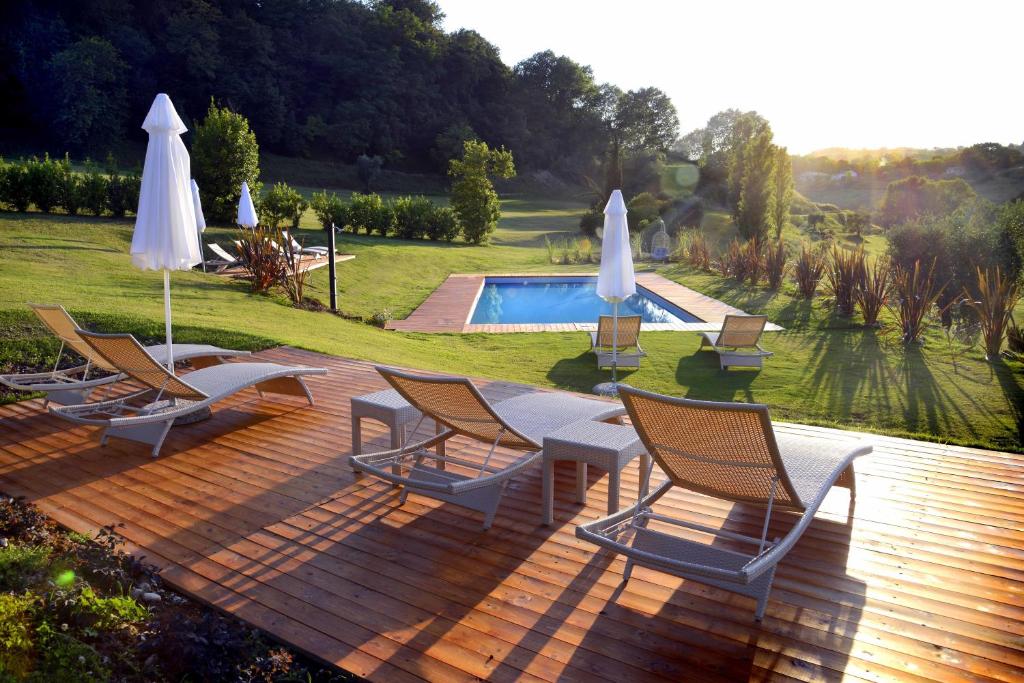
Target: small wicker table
point(386, 406)
point(608, 446)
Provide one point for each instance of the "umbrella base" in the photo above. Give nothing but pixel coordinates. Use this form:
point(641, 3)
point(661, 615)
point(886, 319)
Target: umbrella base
point(607, 389)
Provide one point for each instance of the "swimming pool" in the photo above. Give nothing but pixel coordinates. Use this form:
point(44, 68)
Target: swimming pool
point(550, 300)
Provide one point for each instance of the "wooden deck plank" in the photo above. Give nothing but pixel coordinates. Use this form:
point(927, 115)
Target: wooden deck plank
point(256, 512)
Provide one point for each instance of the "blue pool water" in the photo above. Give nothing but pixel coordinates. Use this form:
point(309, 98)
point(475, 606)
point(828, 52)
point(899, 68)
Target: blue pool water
point(564, 300)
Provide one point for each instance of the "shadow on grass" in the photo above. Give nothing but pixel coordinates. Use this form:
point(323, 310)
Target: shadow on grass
point(1013, 390)
point(581, 373)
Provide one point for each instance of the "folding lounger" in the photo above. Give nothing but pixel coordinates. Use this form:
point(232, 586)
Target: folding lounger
point(737, 342)
point(603, 341)
point(455, 404)
point(318, 252)
point(72, 385)
point(729, 451)
point(146, 416)
point(224, 260)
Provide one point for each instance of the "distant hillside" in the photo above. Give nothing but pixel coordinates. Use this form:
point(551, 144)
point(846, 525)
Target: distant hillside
point(881, 152)
point(866, 192)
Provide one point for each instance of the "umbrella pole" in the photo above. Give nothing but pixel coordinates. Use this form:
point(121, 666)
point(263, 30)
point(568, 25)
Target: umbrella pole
point(615, 341)
point(202, 254)
point(167, 320)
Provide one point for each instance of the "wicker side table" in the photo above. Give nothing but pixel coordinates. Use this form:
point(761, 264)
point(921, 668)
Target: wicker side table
point(608, 446)
point(386, 406)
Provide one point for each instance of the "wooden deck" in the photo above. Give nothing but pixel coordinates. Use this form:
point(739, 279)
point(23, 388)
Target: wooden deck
point(256, 512)
point(449, 307)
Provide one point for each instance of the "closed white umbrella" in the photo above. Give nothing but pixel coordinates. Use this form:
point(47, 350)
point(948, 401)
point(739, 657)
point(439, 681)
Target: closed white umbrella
point(200, 219)
point(616, 281)
point(247, 217)
point(165, 226)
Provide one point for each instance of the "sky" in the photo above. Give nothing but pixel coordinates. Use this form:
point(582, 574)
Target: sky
point(863, 74)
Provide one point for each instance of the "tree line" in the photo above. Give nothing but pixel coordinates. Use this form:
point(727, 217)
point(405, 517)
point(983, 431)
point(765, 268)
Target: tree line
point(334, 79)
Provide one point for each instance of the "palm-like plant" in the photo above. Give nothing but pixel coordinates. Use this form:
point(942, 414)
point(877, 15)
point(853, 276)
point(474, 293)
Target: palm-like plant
point(775, 264)
point(916, 295)
point(997, 296)
point(807, 271)
point(873, 292)
point(845, 275)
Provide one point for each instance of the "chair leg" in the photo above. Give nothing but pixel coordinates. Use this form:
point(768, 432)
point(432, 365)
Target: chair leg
point(357, 435)
point(628, 571)
point(548, 492)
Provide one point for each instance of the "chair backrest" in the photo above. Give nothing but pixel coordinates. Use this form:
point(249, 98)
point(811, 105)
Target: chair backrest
point(295, 245)
point(219, 251)
point(64, 327)
point(628, 333)
point(742, 330)
point(127, 355)
point(726, 450)
point(457, 404)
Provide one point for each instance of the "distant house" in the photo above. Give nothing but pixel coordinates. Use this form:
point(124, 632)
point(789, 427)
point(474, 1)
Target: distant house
point(811, 176)
point(848, 174)
point(955, 172)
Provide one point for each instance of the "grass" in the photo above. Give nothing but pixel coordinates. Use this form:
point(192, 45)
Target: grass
point(826, 370)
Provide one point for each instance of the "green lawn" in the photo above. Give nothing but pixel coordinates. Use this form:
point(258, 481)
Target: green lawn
point(825, 370)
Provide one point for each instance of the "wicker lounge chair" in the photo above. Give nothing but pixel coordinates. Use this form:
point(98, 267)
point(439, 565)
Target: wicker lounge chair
point(455, 404)
point(318, 252)
point(224, 260)
point(729, 451)
point(72, 385)
point(738, 341)
point(602, 342)
point(147, 415)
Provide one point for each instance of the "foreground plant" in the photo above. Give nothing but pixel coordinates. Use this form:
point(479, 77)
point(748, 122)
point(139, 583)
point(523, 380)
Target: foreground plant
point(916, 294)
point(734, 261)
point(997, 297)
point(261, 260)
point(776, 264)
point(698, 254)
point(807, 271)
point(753, 260)
point(874, 289)
point(845, 275)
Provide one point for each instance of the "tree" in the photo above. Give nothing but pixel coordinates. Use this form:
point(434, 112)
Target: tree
point(782, 197)
point(89, 97)
point(756, 187)
point(919, 196)
point(857, 221)
point(368, 168)
point(224, 154)
point(473, 197)
point(646, 120)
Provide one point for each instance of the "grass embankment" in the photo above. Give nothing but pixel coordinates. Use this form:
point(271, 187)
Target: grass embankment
point(825, 370)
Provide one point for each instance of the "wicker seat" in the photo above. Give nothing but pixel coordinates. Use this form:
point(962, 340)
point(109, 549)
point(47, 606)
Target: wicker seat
point(458, 407)
point(729, 451)
point(147, 415)
point(628, 352)
point(70, 386)
point(738, 342)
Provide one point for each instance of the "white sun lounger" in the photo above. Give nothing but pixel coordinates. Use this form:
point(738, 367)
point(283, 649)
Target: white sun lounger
point(457, 406)
point(224, 260)
point(738, 342)
point(146, 416)
point(72, 385)
point(318, 252)
point(729, 451)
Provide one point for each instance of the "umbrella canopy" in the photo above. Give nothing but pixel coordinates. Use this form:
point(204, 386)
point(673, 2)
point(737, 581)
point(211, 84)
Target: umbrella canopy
point(616, 281)
point(247, 217)
point(165, 235)
point(165, 225)
point(200, 218)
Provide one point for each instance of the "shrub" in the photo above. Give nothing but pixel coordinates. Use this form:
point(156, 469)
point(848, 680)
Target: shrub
point(845, 275)
point(94, 189)
point(67, 659)
point(72, 195)
point(443, 224)
point(224, 154)
point(329, 209)
point(753, 260)
point(473, 197)
point(916, 294)
point(698, 254)
point(591, 221)
point(807, 271)
point(775, 264)
point(642, 209)
point(734, 261)
point(997, 297)
point(108, 613)
point(122, 190)
point(44, 181)
point(368, 212)
point(873, 292)
point(552, 249)
point(282, 204)
point(14, 188)
point(380, 317)
point(916, 196)
point(368, 168)
point(584, 250)
point(412, 216)
point(260, 259)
